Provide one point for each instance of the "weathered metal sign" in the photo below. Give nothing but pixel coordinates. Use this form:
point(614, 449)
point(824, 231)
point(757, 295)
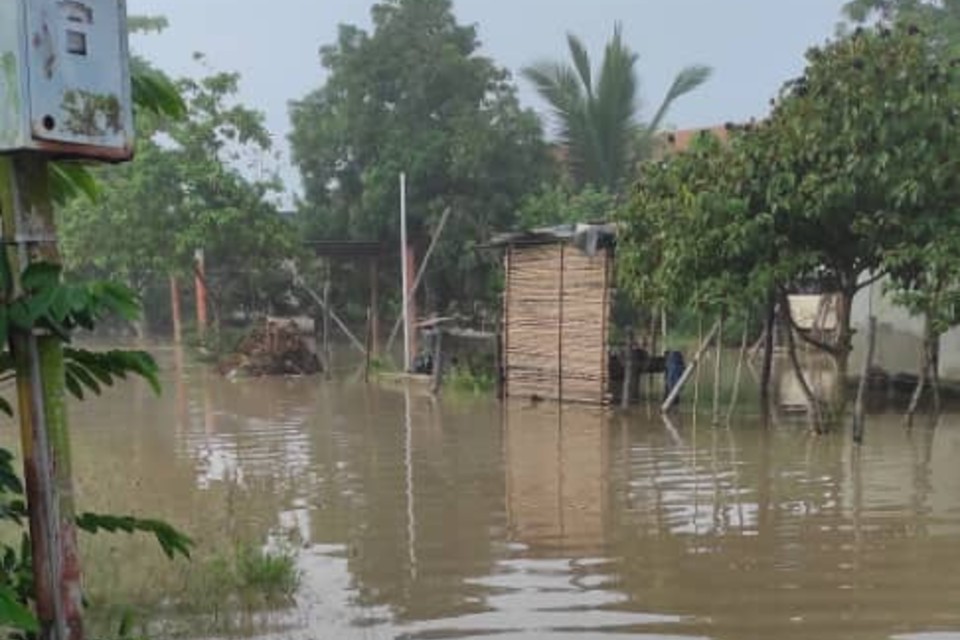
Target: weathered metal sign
point(65, 79)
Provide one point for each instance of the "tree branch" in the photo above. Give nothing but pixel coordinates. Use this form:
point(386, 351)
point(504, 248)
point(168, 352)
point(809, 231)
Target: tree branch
point(869, 281)
point(833, 350)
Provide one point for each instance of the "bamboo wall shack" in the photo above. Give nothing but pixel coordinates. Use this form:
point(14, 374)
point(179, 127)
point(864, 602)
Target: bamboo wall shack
point(556, 313)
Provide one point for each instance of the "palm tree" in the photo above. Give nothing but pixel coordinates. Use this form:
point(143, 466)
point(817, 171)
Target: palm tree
point(598, 124)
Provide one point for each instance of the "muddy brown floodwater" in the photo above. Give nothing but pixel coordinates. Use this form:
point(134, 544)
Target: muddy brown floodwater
point(416, 519)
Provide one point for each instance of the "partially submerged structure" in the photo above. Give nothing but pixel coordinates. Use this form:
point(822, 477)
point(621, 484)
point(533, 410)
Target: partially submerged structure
point(557, 299)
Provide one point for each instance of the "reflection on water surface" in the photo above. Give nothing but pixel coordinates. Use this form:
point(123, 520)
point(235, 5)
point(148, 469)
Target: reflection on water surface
point(415, 519)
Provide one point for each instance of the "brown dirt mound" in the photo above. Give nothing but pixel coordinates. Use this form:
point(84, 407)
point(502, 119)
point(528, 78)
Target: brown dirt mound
point(272, 348)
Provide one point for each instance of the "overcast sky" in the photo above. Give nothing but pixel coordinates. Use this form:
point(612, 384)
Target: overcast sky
point(753, 45)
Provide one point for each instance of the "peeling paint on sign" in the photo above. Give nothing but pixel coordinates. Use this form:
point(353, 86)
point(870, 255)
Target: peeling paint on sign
point(9, 99)
point(91, 114)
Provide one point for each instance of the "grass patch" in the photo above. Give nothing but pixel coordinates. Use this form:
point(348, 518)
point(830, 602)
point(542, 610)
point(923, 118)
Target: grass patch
point(466, 381)
point(249, 579)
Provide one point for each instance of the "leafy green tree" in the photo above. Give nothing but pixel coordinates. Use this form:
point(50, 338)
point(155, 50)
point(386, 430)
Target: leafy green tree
point(184, 192)
point(597, 118)
point(415, 96)
point(560, 204)
point(939, 19)
point(850, 179)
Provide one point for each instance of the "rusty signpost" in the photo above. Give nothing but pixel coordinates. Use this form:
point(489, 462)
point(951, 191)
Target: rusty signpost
point(65, 93)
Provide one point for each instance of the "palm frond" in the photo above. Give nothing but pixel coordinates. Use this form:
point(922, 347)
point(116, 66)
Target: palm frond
point(581, 60)
point(686, 81)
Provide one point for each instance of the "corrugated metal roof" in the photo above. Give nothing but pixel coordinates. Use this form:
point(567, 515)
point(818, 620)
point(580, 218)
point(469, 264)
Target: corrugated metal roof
point(588, 237)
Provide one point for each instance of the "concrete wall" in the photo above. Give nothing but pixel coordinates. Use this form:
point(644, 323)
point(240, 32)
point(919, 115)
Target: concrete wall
point(899, 336)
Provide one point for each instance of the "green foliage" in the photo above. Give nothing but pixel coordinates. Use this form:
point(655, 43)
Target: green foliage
point(558, 204)
point(171, 541)
point(249, 577)
point(693, 237)
point(596, 119)
point(939, 19)
point(853, 173)
point(184, 192)
point(470, 381)
point(45, 303)
point(415, 95)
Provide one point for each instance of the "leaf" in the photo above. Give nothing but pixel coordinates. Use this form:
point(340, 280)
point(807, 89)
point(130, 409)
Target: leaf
point(41, 276)
point(69, 180)
point(14, 614)
point(171, 541)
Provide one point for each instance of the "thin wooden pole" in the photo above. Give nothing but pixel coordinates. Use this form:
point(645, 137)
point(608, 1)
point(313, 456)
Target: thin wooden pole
point(437, 360)
point(374, 274)
point(560, 327)
point(654, 350)
point(200, 286)
point(858, 414)
point(405, 276)
point(628, 364)
point(333, 315)
point(175, 310)
point(29, 233)
point(735, 396)
point(327, 351)
point(717, 374)
point(366, 359)
point(504, 328)
point(694, 364)
point(420, 273)
point(696, 382)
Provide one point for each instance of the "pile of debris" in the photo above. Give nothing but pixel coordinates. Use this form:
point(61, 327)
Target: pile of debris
point(274, 347)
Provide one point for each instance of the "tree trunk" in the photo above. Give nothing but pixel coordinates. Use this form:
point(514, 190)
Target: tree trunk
point(842, 356)
point(933, 363)
point(859, 412)
point(769, 344)
point(818, 426)
point(925, 369)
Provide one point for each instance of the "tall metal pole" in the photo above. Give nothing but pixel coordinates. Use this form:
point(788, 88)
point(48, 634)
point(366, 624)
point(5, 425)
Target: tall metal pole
point(29, 235)
point(404, 272)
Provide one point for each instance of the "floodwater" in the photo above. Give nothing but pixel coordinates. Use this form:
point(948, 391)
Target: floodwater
point(422, 520)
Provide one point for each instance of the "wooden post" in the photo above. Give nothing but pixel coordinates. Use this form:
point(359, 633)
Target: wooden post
point(420, 273)
point(717, 374)
point(628, 365)
point(411, 298)
point(654, 350)
point(735, 396)
point(498, 372)
point(437, 359)
point(370, 332)
point(675, 392)
point(30, 235)
point(374, 274)
point(858, 414)
point(327, 352)
point(201, 291)
point(560, 326)
point(175, 310)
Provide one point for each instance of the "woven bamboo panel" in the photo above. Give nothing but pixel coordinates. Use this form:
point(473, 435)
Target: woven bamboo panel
point(532, 354)
point(547, 328)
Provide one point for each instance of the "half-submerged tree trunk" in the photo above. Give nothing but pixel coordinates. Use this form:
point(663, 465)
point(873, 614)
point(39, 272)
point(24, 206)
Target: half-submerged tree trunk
point(859, 412)
point(814, 403)
point(928, 371)
point(769, 336)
